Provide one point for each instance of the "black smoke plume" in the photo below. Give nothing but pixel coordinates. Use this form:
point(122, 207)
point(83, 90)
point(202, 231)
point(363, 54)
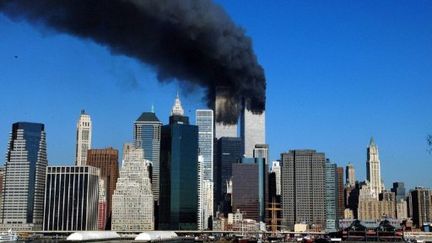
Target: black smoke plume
point(186, 40)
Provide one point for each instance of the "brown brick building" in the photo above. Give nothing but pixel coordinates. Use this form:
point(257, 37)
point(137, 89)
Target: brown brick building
point(340, 205)
point(107, 161)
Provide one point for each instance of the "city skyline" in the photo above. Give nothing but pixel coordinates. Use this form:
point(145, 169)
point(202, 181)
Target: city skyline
point(375, 102)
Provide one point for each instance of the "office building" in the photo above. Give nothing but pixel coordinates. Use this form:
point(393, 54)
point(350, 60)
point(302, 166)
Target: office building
point(401, 209)
point(249, 188)
point(331, 196)
point(83, 138)
point(107, 161)
point(229, 150)
point(205, 197)
point(132, 202)
point(24, 180)
point(350, 175)
point(373, 169)
point(220, 104)
point(2, 174)
point(303, 188)
point(178, 204)
point(71, 198)
point(399, 190)
point(372, 208)
point(147, 134)
point(421, 206)
point(204, 121)
point(276, 168)
point(340, 205)
point(252, 130)
point(102, 205)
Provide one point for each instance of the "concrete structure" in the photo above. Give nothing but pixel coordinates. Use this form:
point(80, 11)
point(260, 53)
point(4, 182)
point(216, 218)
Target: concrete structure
point(2, 175)
point(147, 134)
point(372, 208)
point(303, 187)
point(205, 197)
point(71, 198)
point(420, 206)
point(102, 204)
point(221, 129)
point(373, 169)
point(401, 209)
point(107, 162)
point(178, 204)
point(83, 138)
point(252, 130)
point(24, 180)
point(132, 204)
point(331, 196)
point(350, 175)
point(276, 168)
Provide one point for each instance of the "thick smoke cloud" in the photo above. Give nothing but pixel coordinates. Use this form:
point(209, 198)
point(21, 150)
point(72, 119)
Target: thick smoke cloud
point(186, 40)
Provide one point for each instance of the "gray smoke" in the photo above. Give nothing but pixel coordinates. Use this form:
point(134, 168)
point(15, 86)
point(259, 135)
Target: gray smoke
point(185, 40)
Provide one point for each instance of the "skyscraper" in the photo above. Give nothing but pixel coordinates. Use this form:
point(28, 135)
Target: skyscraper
point(330, 196)
point(276, 168)
point(83, 138)
point(221, 129)
point(179, 173)
point(303, 187)
point(24, 182)
point(252, 130)
point(147, 134)
point(340, 205)
point(373, 168)
point(421, 206)
point(249, 188)
point(350, 175)
point(205, 121)
point(132, 203)
point(107, 161)
point(399, 190)
point(229, 151)
point(71, 198)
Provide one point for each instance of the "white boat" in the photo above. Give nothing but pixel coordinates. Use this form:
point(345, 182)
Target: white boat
point(8, 236)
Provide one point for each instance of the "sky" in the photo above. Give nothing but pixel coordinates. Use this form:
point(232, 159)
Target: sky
point(338, 72)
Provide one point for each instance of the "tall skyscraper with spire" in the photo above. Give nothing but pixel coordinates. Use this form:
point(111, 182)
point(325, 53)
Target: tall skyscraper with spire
point(178, 198)
point(83, 138)
point(373, 168)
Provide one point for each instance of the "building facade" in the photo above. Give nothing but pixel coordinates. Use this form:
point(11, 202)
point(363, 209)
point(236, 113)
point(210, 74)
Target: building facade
point(220, 105)
point(107, 161)
point(340, 205)
point(204, 121)
point(71, 198)
point(399, 190)
point(229, 150)
point(178, 204)
point(249, 188)
point(421, 206)
point(83, 138)
point(303, 187)
point(373, 169)
point(147, 134)
point(24, 180)
point(252, 130)
point(350, 177)
point(132, 203)
point(331, 196)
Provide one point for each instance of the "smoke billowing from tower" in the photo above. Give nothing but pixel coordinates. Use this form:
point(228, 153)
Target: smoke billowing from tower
point(185, 40)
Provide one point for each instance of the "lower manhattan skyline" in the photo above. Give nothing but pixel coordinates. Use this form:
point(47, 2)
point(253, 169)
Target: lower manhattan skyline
point(337, 75)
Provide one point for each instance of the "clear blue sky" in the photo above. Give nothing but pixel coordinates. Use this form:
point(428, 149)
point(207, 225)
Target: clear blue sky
point(338, 73)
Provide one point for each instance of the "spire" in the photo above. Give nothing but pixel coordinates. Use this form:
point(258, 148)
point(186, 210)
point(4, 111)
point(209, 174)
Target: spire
point(177, 107)
point(152, 108)
point(372, 142)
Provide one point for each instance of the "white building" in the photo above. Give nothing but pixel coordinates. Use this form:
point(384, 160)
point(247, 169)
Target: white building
point(205, 197)
point(204, 121)
point(132, 202)
point(252, 130)
point(83, 138)
point(277, 170)
point(373, 167)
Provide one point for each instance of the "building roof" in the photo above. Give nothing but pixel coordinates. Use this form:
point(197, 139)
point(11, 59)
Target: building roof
point(148, 116)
